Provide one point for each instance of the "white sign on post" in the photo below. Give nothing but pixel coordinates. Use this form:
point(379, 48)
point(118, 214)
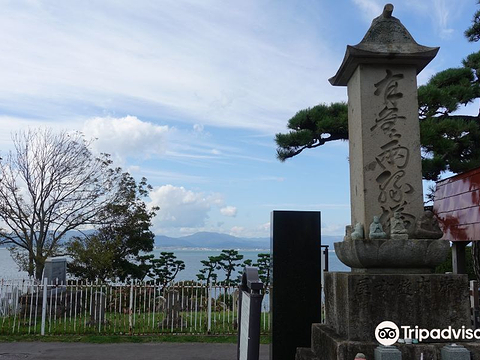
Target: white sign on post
point(248, 345)
point(244, 325)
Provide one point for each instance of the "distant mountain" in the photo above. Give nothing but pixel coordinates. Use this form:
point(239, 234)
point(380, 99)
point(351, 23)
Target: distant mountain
point(213, 240)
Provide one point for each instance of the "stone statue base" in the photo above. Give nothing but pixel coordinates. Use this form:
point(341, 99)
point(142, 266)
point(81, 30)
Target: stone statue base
point(327, 345)
point(356, 303)
point(384, 256)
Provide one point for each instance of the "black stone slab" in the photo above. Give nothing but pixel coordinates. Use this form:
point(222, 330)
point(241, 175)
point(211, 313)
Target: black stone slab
point(295, 301)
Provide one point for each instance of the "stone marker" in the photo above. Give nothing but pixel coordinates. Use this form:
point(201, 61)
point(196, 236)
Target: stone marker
point(387, 353)
point(383, 127)
point(56, 271)
point(250, 313)
point(384, 153)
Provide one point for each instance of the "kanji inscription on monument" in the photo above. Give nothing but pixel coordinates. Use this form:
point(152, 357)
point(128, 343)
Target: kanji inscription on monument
point(384, 136)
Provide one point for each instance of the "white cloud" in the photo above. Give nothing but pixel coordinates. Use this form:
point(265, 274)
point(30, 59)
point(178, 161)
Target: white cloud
point(237, 231)
point(442, 16)
point(261, 231)
point(127, 136)
point(370, 9)
point(333, 229)
point(198, 128)
point(182, 208)
point(229, 211)
point(202, 62)
point(162, 177)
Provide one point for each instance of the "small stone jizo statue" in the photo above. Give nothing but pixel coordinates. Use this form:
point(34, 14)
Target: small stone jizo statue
point(427, 227)
point(397, 228)
point(358, 234)
point(376, 229)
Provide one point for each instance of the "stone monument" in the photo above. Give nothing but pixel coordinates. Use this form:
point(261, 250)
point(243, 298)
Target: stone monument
point(56, 271)
point(395, 244)
point(385, 163)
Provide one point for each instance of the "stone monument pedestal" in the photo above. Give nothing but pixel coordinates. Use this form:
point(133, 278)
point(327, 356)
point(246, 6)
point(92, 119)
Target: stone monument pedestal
point(356, 303)
point(386, 256)
point(328, 345)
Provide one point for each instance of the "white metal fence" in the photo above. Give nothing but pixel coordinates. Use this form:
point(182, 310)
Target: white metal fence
point(29, 307)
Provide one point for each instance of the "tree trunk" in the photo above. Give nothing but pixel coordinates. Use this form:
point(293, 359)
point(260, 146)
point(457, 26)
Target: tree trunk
point(31, 265)
point(39, 265)
point(38, 272)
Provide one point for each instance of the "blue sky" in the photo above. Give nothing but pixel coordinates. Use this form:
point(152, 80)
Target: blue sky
point(190, 94)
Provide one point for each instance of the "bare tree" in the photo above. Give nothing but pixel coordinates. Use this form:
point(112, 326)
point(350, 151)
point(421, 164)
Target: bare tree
point(50, 184)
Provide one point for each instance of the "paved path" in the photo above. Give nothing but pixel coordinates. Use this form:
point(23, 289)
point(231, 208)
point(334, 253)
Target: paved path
point(124, 351)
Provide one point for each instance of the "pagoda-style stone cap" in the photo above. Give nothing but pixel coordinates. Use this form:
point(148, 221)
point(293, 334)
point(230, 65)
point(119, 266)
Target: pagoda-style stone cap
point(387, 41)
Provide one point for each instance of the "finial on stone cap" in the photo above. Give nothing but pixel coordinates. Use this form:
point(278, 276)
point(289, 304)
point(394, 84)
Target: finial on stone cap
point(387, 41)
point(387, 11)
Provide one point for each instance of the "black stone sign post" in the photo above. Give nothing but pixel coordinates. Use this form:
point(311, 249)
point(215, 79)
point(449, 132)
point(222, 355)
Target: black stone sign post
point(250, 306)
point(295, 298)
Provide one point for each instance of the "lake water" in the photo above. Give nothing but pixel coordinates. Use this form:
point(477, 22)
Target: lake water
point(192, 259)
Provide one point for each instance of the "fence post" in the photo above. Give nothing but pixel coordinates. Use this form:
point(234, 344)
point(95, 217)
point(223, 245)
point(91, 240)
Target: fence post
point(130, 309)
point(209, 310)
point(44, 306)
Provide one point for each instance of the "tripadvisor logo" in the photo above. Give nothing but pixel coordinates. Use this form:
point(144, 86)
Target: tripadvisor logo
point(387, 333)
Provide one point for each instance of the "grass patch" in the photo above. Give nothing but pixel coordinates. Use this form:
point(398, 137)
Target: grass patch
point(108, 339)
point(118, 324)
